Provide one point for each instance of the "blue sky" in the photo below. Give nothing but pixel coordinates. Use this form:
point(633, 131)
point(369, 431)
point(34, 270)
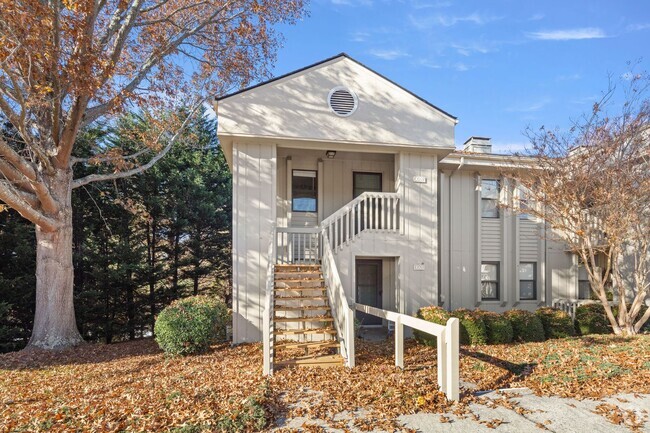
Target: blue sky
point(499, 66)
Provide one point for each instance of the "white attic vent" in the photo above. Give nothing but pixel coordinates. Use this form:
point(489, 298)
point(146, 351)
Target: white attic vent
point(342, 101)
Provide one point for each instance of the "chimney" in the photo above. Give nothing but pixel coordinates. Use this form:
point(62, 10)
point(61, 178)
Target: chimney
point(478, 145)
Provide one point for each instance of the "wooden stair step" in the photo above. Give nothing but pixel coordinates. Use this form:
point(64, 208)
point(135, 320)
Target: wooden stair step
point(316, 331)
point(296, 266)
point(298, 280)
point(300, 288)
point(301, 298)
point(304, 307)
point(303, 319)
point(311, 345)
point(323, 361)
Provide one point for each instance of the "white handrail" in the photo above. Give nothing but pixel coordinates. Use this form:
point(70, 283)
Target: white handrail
point(341, 312)
point(376, 211)
point(267, 315)
point(448, 345)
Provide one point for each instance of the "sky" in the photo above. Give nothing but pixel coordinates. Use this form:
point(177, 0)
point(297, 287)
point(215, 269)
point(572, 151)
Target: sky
point(500, 66)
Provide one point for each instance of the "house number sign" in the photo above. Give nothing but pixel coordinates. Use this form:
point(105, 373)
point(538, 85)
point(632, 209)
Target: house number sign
point(419, 179)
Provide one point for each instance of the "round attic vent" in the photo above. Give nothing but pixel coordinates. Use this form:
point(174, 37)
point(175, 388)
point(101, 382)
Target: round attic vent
point(342, 101)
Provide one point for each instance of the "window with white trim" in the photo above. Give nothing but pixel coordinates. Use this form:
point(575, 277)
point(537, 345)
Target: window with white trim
point(490, 281)
point(528, 281)
point(490, 198)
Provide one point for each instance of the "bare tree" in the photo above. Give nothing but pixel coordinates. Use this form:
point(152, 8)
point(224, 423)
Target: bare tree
point(65, 64)
point(591, 186)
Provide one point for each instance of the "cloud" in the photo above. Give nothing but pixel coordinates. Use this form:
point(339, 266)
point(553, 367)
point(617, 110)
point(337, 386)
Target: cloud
point(468, 49)
point(569, 77)
point(585, 100)
point(638, 27)
point(359, 36)
point(430, 5)
point(429, 64)
point(461, 67)
point(568, 34)
point(529, 107)
point(510, 147)
point(537, 17)
point(450, 20)
point(388, 54)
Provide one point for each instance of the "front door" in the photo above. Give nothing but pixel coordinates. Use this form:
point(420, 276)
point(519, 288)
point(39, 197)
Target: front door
point(365, 182)
point(368, 289)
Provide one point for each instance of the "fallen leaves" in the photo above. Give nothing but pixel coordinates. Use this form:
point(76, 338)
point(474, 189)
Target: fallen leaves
point(134, 387)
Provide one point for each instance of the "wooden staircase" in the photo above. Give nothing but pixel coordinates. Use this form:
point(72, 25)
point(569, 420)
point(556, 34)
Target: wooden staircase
point(304, 334)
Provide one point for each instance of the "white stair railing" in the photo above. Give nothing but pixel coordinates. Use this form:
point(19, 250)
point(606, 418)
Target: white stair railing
point(297, 245)
point(341, 312)
point(268, 338)
point(371, 211)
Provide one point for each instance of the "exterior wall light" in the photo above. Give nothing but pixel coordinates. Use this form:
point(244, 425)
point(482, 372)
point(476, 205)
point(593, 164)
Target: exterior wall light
point(330, 154)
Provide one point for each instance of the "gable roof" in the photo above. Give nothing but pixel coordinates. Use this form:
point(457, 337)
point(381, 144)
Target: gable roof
point(314, 65)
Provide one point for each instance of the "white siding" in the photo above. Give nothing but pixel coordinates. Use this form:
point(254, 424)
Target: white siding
point(254, 208)
point(529, 241)
point(491, 240)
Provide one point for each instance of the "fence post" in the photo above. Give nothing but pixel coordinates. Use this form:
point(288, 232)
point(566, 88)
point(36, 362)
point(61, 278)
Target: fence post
point(453, 353)
point(350, 336)
point(441, 346)
point(399, 343)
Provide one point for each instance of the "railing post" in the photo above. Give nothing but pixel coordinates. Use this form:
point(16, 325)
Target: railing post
point(453, 353)
point(350, 336)
point(441, 348)
point(399, 343)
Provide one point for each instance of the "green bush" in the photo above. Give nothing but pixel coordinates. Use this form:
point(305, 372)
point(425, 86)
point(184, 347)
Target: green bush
point(591, 319)
point(556, 323)
point(497, 326)
point(431, 314)
point(191, 325)
point(526, 326)
point(472, 329)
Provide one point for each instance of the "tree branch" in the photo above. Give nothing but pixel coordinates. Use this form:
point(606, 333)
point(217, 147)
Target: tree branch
point(22, 205)
point(120, 175)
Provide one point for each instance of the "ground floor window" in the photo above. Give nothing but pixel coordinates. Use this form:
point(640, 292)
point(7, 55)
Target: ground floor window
point(584, 287)
point(490, 281)
point(527, 281)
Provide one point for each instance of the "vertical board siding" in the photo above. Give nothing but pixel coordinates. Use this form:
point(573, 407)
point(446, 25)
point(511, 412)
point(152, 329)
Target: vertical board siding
point(254, 196)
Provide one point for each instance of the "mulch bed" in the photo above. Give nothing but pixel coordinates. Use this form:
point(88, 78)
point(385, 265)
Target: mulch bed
point(132, 386)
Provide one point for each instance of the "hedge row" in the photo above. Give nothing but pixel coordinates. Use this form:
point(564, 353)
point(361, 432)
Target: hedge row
point(485, 327)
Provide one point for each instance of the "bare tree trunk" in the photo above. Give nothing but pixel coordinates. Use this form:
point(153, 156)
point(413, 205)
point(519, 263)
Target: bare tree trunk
point(54, 320)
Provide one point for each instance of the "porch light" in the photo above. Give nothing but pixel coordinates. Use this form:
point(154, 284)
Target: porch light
point(330, 154)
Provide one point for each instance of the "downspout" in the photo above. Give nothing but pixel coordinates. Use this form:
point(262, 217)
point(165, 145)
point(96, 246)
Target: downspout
point(460, 165)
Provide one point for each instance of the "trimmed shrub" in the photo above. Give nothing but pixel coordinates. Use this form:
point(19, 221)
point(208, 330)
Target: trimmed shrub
point(556, 323)
point(591, 319)
point(431, 314)
point(472, 329)
point(190, 325)
point(497, 326)
point(526, 326)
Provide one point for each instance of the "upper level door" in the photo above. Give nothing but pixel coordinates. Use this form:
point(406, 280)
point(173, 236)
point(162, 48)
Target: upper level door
point(366, 182)
point(304, 198)
point(362, 182)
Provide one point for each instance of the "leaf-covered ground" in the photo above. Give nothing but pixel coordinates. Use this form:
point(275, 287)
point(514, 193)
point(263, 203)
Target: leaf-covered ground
point(134, 387)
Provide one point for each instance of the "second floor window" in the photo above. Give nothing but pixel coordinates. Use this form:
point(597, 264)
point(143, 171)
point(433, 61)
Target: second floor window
point(304, 191)
point(490, 198)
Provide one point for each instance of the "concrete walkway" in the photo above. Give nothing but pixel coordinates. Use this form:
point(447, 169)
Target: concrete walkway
point(546, 414)
point(519, 411)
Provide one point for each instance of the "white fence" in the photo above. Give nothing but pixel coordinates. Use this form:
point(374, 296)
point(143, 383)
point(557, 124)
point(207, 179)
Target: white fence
point(448, 345)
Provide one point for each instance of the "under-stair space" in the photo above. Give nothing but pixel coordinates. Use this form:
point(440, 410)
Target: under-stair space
point(303, 326)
